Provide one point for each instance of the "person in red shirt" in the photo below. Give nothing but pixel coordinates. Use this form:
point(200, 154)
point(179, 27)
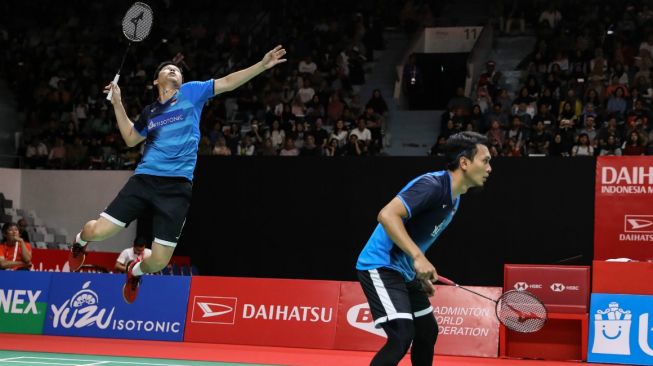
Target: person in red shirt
point(15, 253)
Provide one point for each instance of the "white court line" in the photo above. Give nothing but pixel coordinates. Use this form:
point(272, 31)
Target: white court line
point(10, 358)
point(40, 363)
point(92, 362)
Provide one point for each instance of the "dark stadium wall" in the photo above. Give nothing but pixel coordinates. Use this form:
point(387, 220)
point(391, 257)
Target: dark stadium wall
point(309, 218)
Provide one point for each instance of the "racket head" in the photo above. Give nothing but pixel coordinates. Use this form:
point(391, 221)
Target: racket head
point(137, 22)
point(521, 311)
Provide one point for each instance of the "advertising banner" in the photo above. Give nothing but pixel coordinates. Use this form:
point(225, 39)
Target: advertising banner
point(23, 301)
point(621, 278)
point(53, 260)
point(91, 305)
point(260, 311)
point(563, 289)
point(623, 224)
point(467, 323)
point(621, 330)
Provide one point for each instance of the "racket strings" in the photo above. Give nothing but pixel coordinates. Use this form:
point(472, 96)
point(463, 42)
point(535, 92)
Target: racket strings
point(137, 23)
point(521, 311)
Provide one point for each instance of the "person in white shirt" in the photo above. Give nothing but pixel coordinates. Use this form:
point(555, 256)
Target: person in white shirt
point(130, 254)
point(583, 147)
point(307, 66)
point(362, 132)
point(552, 16)
point(306, 93)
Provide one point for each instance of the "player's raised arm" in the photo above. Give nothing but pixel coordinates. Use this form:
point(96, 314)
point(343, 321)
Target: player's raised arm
point(238, 78)
point(125, 125)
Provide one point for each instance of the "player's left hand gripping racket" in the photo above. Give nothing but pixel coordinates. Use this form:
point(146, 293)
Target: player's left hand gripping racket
point(136, 26)
point(520, 311)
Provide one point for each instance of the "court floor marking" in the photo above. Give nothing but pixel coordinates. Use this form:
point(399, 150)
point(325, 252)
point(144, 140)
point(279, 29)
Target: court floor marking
point(23, 360)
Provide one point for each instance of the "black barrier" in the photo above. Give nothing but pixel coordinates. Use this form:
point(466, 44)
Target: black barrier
point(309, 217)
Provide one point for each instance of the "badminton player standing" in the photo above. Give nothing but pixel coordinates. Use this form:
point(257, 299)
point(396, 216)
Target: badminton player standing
point(162, 181)
point(395, 274)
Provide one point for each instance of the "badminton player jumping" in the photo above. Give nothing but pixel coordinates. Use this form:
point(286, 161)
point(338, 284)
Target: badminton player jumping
point(395, 274)
point(162, 181)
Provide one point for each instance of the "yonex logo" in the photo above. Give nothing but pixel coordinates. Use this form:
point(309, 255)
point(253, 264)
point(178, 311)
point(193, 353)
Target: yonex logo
point(638, 223)
point(13, 301)
point(557, 287)
point(521, 286)
point(214, 310)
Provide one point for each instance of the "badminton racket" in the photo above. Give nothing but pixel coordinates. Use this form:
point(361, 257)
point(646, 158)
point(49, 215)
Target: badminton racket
point(520, 311)
point(136, 26)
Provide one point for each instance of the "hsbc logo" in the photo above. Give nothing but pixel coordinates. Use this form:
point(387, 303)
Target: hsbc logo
point(360, 317)
point(638, 223)
point(559, 287)
point(214, 310)
point(523, 286)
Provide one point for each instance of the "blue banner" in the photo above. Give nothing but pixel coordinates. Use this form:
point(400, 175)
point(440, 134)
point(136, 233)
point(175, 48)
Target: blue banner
point(620, 329)
point(91, 305)
point(23, 301)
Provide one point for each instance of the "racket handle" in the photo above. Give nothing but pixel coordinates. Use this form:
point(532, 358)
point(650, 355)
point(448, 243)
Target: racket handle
point(115, 81)
point(446, 281)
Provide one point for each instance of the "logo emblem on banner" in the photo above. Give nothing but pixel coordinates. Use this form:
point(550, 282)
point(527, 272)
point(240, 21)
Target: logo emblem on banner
point(91, 305)
point(81, 310)
point(13, 301)
point(638, 223)
point(214, 310)
point(612, 330)
point(23, 301)
point(360, 317)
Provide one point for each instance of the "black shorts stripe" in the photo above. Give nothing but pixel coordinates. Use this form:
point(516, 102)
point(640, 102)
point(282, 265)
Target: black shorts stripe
point(391, 297)
point(167, 199)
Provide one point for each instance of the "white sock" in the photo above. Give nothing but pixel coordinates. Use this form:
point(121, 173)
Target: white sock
point(136, 269)
point(79, 240)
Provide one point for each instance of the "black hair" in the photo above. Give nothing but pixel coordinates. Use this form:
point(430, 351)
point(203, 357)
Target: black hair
point(462, 144)
point(160, 67)
point(7, 225)
point(141, 241)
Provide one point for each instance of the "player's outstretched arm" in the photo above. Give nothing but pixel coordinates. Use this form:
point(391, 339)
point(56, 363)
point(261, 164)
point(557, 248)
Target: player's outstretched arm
point(238, 78)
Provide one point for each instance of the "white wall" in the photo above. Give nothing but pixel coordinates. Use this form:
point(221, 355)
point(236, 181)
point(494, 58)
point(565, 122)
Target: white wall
point(68, 199)
point(10, 184)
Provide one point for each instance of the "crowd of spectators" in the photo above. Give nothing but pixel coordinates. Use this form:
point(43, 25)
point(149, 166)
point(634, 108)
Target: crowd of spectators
point(586, 87)
point(58, 62)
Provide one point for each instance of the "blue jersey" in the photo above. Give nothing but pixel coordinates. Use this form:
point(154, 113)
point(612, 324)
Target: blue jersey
point(430, 205)
point(172, 131)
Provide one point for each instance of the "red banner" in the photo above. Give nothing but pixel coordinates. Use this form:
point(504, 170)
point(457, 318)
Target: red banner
point(355, 324)
point(623, 224)
point(622, 278)
point(563, 289)
point(54, 260)
point(467, 323)
point(260, 311)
